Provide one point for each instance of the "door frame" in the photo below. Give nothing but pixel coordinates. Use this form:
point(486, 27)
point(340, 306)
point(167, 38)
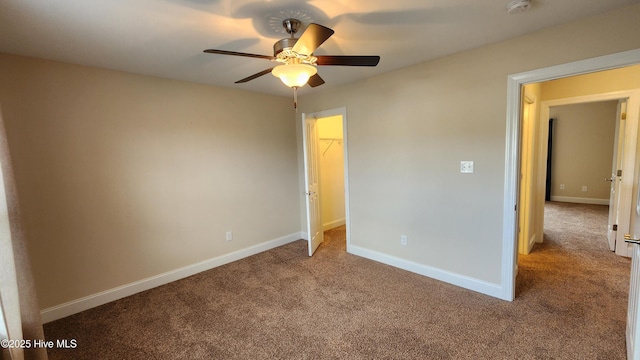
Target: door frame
point(515, 83)
point(342, 112)
point(629, 143)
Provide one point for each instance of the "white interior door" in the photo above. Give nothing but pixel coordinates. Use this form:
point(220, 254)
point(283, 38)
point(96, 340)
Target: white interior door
point(633, 238)
point(632, 242)
point(312, 186)
point(627, 187)
point(616, 174)
point(526, 234)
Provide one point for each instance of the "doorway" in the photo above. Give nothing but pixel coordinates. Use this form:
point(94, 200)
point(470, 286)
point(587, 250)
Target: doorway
point(585, 155)
point(331, 162)
point(616, 164)
point(585, 152)
point(326, 163)
point(515, 84)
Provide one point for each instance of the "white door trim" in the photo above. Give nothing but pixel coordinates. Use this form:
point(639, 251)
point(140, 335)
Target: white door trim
point(512, 147)
point(342, 111)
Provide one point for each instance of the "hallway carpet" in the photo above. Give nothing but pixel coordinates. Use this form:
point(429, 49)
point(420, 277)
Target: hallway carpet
point(282, 304)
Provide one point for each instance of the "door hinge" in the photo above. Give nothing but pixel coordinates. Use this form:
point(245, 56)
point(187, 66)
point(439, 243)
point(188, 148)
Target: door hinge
point(515, 208)
point(619, 173)
point(614, 227)
point(623, 116)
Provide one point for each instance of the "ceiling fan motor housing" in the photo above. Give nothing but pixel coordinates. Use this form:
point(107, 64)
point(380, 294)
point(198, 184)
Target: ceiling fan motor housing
point(284, 44)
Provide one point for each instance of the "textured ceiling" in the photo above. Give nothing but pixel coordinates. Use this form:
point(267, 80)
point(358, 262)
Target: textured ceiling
point(165, 38)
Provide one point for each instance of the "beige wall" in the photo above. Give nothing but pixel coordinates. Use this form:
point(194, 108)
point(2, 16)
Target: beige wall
point(583, 141)
point(627, 78)
point(409, 129)
point(123, 177)
point(331, 171)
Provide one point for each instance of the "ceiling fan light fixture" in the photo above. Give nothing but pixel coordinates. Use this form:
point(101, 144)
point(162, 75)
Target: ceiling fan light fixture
point(294, 75)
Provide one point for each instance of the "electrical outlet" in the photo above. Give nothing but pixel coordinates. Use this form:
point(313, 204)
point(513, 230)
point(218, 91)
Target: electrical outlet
point(229, 236)
point(403, 240)
point(466, 167)
point(561, 186)
point(584, 188)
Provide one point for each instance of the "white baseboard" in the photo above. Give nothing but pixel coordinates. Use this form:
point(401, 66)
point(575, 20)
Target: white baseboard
point(466, 282)
point(101, 298)
point(532, 242)
point(333, 224)
point(579, 200)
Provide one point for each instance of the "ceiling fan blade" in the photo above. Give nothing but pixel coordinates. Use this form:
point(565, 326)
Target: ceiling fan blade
point(311, 38)
point(235, 53)
point(256, 75)
point(315, 80)
point(346, 60)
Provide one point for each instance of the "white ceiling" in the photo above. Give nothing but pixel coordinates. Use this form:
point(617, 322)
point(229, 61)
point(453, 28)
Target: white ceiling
point(165, 38)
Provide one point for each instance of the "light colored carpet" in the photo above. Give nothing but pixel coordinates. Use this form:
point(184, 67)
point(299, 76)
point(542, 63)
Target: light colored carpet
point(281, 304)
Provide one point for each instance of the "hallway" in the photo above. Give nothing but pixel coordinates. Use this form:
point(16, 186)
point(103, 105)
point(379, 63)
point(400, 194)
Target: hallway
point(575, 275)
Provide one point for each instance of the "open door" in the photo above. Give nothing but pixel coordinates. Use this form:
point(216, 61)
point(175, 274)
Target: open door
point(312, 184)
point(628, 184)
point(526, 234)
point(616, 174)
point(633, 238)
point(632, 241)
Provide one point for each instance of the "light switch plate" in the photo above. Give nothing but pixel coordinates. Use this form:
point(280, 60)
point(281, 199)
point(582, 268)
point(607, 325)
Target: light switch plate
point(466, 167)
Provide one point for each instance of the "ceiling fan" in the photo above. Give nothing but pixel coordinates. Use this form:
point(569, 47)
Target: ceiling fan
point(298, 64)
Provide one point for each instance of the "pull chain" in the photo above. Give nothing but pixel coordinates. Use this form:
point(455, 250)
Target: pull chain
point(295, 98)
